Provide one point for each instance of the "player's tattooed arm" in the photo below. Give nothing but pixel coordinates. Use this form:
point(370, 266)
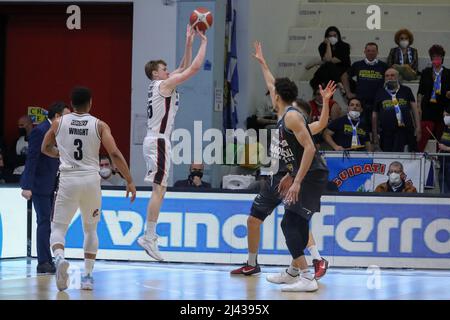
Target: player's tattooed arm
point(48, 146)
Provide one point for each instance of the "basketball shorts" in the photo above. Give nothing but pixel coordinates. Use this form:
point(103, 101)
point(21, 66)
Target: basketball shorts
point(75, 191)
point(308, 203)
point(157, 153)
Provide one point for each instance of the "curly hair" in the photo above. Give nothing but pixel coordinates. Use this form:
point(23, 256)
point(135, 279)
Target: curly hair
point(286, 89)
point(436, 50)
point(404, 31)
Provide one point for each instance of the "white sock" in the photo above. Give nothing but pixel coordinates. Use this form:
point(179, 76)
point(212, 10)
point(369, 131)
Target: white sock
point(293, 271)
point(314, 252)
point(88, 266)
point(151, 230)
point(252, 259)
point(59, 254)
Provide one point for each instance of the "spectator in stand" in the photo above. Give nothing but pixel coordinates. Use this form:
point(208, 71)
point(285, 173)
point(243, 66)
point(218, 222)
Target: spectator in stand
point(369, 75)
point(194, 179)
point(265, 115)
point(397, 180)
point(444, 147)
point(433, 95)
point(317, 104)
point(18, 156)
point(5, 174)
point(404, 58)
point(393, 107)
point(335, 59)
point(110, 176)
point(348, 132)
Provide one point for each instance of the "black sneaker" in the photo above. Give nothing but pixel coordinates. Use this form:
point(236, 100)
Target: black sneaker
point(46, 267)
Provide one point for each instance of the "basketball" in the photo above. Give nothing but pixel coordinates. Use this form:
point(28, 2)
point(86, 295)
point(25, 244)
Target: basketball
point(202, 19)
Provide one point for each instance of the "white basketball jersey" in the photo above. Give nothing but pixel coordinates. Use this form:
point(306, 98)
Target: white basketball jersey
point(161, 111)
point(78, 142)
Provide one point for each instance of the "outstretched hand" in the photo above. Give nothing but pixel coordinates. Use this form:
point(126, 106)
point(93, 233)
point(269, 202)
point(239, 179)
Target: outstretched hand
point(201, 34)
point(190, 33)
point(258, 55)
point(329, 91)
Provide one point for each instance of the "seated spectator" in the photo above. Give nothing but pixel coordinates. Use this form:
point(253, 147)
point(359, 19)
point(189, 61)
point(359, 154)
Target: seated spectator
point(17, 156)
point(110, 176)
point(397, 180)
point(317, 104)
point(433, 95)
point(404, 58)
point(444, 147)
point(194, 179)
point(393, 106)
point(348, 132)
point(265, 115)
point(5, 174)
point(335, 55)
point(369, 75)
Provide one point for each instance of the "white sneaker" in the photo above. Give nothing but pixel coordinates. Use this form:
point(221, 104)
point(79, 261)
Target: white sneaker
point(302, 285)
point(282, 277)
point(62, 277)
point(151, 247)
point(87, 282)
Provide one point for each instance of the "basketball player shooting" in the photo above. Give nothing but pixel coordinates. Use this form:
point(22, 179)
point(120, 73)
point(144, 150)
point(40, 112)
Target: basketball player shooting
point(162, 108)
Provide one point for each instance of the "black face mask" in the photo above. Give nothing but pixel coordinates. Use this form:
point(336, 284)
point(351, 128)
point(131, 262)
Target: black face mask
point(196, 173)
point(22, 132)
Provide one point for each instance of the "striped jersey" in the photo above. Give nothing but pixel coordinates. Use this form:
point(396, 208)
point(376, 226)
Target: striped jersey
point(78, 142)
point(161, 111)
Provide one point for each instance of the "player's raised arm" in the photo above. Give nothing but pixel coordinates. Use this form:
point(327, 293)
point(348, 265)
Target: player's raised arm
point(268, 76)
point(117, 157)
point(48, 146)
point(167, 86)
point(317, 126)
point(187, 57)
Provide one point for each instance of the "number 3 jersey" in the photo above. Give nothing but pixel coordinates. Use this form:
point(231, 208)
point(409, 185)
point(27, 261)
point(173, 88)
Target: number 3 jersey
point(78, 142)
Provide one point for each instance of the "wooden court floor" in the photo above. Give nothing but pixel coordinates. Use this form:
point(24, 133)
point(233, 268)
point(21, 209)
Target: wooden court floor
point(168, 281)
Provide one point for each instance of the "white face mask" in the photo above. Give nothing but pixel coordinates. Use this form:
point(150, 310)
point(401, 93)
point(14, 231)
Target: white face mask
point(395, 179)
point(105, 173)
point(333, 40)
point(404, 44)
point(354, 115)
point(447, 120)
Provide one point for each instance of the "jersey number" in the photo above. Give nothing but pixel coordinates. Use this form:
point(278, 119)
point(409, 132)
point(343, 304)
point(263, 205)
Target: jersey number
point(150, 111)
point(78, 154)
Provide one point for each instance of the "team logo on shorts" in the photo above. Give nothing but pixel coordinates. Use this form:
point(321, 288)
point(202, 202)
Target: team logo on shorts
point(96, 213)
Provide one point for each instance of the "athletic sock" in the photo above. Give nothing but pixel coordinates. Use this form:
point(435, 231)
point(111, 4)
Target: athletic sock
point(252, 259)
point(88, 266)
point(314, 252)
point(293, 271)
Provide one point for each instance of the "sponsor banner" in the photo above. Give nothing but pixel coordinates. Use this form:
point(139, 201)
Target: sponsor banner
point(13, 223)
point(363, 172)
point(211, 228)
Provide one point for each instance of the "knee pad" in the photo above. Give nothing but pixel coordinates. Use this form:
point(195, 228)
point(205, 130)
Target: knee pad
point(90, 238)
point(58, 233)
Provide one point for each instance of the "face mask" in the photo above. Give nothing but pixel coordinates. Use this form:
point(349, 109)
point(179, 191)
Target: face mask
point(447, 120)
point(371, 63)
point(404, 44)
point(437, 62)
point(354, 114)
point(196, 173)
point(105, 173)
point(395, 179)
point(392, 85)
point(333, 40)
point(22, 132)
